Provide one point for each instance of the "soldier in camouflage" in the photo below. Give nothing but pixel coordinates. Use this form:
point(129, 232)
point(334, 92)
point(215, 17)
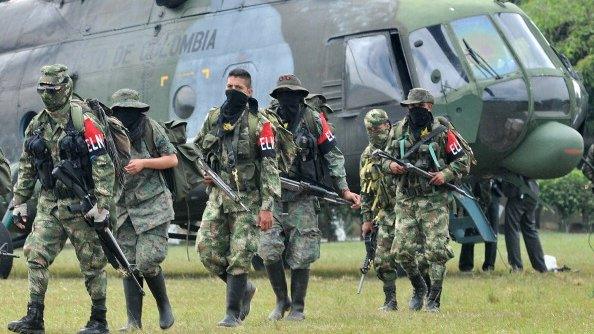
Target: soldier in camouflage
point(44, 146)
point(145, 206)
point(299, 224)
point(238, 144)
point(5, 176)
point(376, 204)
point(421, 209)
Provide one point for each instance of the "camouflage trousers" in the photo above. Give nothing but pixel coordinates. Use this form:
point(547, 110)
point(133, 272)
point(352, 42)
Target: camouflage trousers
point(227, 241)
point(297, 233)
point(50, 230)
point(421, 227)
point(146, 250)
point(385, 261)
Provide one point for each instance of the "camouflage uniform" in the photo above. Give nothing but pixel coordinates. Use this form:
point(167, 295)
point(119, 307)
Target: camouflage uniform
point(298, 224)
point(5, 176)
point(421, 210)
point(588, 172)
point(54, 223)
point(144, 210)
point(376, 205)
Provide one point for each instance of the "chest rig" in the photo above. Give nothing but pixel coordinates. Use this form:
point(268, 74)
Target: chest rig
point(425, 153)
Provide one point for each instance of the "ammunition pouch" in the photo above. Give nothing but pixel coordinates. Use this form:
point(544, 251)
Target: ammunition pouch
point(42, 159)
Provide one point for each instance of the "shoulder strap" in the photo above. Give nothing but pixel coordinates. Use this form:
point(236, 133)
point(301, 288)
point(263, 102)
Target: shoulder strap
point(310, 121)
point(149, 139)
point(434, 133)
point(76, 114)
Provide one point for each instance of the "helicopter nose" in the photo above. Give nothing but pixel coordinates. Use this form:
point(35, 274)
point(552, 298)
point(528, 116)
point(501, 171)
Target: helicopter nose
point(549, 151)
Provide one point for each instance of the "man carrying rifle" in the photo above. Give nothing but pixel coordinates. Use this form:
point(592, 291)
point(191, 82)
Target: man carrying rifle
point(298, 210)
point(421, 223)
point(145, 206)
point(238, 143)
point(50, 138)
point(377, 193)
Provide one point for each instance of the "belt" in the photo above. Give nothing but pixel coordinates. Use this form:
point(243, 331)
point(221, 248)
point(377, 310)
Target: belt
point(414, 192)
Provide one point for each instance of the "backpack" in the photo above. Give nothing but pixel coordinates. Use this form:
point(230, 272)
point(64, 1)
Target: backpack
point(182, 178)
point(465, 147)
point(117, 142)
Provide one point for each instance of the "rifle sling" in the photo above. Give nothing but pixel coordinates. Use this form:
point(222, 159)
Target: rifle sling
point(438, 130)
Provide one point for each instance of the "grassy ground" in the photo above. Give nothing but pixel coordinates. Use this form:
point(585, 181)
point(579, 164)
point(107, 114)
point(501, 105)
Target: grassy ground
point(496, 302)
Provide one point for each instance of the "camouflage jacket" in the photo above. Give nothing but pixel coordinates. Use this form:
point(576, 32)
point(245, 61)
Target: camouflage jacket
point(443, 153)
point(53, 130)
point(5, 176)
point(377, 187)
point(326, 149)
point(145, 197)
point(244, 158)
point(588, 172)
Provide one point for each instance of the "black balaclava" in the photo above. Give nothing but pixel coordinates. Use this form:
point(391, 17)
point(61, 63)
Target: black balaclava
point(420, 119)
point(134, 120)
point(289, 109)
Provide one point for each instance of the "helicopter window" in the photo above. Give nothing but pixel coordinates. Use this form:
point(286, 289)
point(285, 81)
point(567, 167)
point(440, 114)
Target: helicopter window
point(550, 94)
point(371, 73)
point(433, 53)
point(530, 52)
point(485, 50)
point(184, 102)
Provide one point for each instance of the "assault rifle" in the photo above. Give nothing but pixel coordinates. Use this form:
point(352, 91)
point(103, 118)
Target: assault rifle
point(224, 187)
point(65, 172)
point(370, 246)
point(5, 253)
point(414, 169)
point(312, 189)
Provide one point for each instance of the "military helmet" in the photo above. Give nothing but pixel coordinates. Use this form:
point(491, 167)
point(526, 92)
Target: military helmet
point(418, 95)
point(128, 98)
point(375, 117)
point(288, 82)
point(54, 75)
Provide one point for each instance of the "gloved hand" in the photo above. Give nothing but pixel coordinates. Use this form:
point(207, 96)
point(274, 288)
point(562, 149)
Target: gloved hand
point(19, 215)
point(100, 217)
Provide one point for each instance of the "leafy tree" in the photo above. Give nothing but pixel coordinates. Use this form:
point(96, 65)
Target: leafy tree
point(568, 25)
point(568, 195)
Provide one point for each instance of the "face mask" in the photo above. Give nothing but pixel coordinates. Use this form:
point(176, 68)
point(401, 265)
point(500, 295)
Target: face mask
point(289, 106)
point(54, 96)
point(235, 102)
point(420, 117)
point(128, 116)
point(378, 138)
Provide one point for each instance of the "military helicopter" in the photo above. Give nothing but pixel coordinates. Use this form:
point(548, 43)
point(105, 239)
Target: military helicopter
point(511, 95)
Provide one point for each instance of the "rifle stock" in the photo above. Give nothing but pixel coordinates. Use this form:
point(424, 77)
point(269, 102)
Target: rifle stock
point(224, 187)
point(299, 186)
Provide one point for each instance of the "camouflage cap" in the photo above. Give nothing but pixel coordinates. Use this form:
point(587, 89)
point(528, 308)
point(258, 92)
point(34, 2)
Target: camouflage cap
point(56, 74)
point(288, 82)
point(375, 117)
point(418, 95)
point(127, 98)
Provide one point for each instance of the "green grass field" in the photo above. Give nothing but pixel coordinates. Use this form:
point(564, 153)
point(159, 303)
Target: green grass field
point(497, 302)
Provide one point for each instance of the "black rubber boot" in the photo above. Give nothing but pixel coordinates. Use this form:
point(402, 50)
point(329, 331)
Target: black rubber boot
point(419, 292)
point(250, 291)
point(427, 280)
point(157, 286)
point(236, 286)
point(133, 304)
point(32, 323)
point(390, 304)
point(299, 280)
point(276, 275)
point(97, 324)
point(434, 299)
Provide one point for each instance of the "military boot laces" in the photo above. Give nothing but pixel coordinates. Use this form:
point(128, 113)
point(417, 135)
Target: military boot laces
point(157, 286)
point(299, 281)
point(32, 323)
point(276, 275)
point(97, 324)
point(236, 286)
point(419, 292)
point(390, 304)
point(434, 299)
